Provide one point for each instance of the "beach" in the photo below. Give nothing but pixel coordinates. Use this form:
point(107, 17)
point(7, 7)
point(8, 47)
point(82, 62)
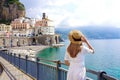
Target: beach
point(27, 50)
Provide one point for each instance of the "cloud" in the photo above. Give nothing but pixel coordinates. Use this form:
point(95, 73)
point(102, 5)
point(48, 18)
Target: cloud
point(76, 12)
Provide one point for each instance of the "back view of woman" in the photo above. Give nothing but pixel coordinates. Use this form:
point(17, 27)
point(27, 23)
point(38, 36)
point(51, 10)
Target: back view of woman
point(75, 55)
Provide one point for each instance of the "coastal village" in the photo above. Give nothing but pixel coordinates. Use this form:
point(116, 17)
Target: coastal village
point(24, 31)
point(28, 36)
point(23, 39)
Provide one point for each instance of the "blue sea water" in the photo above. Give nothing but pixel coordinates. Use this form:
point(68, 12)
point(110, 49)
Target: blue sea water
point(106, 56)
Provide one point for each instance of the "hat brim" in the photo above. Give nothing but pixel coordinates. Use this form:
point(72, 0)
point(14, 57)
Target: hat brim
point(72, 40)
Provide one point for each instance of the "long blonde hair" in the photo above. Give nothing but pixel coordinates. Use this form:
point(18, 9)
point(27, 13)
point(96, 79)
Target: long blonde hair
point(74, 49)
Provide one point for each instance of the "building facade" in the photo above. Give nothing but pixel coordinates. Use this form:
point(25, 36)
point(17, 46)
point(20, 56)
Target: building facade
point(45, 26)
point(20, 26)
point(5, 29)
point(27, 31)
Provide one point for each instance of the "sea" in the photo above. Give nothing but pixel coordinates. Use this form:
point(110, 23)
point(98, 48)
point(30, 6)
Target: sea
point(106, 57)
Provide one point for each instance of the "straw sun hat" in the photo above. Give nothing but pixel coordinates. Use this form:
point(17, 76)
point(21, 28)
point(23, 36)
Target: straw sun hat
point(75, 36)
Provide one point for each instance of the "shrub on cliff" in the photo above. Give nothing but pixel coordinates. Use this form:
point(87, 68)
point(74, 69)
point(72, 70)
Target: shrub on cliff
point(20, 5)
point(12, 1)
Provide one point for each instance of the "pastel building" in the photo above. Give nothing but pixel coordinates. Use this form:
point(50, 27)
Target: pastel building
point(44, 26)
point(4, 29)
point(5, 33)
point(45, 29)
point(19, 26)
point(35, 31)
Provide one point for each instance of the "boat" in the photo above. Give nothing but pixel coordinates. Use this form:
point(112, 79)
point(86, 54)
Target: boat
point(57, 45)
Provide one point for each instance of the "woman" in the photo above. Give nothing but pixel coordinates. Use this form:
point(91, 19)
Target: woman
point(75, 54)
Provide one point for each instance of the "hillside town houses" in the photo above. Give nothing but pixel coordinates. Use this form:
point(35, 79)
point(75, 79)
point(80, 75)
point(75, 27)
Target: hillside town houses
point(26, 31)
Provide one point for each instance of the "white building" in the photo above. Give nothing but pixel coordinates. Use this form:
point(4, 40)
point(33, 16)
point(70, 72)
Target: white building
point(44, 26)
point(22, 26)
point(37, 31)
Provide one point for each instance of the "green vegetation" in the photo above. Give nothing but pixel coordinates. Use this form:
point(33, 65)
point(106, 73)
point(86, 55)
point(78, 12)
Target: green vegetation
point(12, 1)
point(20, 5)
point(3, 21)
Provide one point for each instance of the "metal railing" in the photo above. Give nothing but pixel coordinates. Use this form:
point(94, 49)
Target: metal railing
point(10, 75)
point(43, 71)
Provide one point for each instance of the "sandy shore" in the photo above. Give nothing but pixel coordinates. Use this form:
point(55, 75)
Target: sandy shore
point(28, 50)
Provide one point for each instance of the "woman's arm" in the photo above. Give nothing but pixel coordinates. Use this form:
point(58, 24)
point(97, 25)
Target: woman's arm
point(88, 44)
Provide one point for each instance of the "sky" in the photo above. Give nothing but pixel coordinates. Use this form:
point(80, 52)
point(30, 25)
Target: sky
point(74, 13)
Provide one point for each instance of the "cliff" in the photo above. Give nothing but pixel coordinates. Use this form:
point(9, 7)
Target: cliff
point(11, 9)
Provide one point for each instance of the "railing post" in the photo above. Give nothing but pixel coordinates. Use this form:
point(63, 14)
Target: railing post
point(6, 56)
point(10, 57)
point(14, 59)
point(26, 58)
point(19, 60)
point(0, 53)
point(100, 75)
point(37, 69)
point(58, 74)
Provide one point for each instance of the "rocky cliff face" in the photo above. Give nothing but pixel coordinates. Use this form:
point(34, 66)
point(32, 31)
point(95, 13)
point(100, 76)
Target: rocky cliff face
point(11, 9)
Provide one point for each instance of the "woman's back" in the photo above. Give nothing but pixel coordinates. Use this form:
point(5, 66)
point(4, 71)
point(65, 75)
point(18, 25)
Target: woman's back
point(75, 55)
point(79, 59)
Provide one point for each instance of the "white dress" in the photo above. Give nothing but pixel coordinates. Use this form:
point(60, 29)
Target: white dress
point(77, 70)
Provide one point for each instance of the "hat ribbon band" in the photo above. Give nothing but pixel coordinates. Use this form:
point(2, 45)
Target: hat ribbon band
point(77, 39)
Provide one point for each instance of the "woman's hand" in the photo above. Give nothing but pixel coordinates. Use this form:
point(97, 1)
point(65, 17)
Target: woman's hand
point(83, 39)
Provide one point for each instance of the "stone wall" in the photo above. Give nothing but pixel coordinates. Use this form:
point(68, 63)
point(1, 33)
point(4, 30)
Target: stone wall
point(48, 39)
point(27, 41)
point(14, 41)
